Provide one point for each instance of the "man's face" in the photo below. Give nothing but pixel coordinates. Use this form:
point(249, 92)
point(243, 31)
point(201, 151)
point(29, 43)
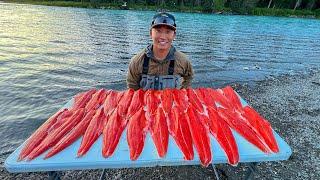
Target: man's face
point(162, 37)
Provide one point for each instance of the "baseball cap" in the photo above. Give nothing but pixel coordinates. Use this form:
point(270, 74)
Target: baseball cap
point(164, 18)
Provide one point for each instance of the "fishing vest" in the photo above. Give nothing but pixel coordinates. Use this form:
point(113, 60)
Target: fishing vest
point(159, 82)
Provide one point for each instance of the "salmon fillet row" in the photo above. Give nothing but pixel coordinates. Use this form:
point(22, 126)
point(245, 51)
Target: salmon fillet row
point(189, 116)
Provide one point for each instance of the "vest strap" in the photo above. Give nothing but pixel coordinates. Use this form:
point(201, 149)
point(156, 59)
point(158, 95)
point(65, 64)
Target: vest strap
point(145, 65)
point(171, 68)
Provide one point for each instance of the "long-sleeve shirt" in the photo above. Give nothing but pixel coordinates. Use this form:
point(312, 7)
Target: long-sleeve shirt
point(182, 67)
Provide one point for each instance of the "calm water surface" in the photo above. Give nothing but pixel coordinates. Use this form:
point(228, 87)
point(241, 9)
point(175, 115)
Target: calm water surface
point(48, 54)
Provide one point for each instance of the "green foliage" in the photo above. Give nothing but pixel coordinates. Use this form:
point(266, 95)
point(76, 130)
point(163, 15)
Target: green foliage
point(317, 13)
point(219, 5)
point(207, 6)
point(307, 8)
point(285, 12)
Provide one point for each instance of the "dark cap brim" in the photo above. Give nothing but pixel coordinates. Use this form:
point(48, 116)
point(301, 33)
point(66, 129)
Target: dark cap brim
point(164, 24)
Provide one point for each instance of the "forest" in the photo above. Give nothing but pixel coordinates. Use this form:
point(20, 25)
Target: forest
point(292, 8)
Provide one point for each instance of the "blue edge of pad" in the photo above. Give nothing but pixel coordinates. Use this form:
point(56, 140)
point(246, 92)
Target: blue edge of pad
point(67, 159)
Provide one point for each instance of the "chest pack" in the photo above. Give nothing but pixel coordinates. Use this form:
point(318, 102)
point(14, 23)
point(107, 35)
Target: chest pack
point(159, 82)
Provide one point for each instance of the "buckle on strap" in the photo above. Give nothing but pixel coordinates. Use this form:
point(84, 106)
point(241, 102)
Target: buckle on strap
point(156, 82)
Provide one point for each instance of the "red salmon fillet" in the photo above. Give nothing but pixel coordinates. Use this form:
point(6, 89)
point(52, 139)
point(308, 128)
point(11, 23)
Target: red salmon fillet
point(232, 96)
point(74, 134)
point(235, 122)
point(159, 132)
point(220, 98)
point(82, 99)
point(166, 100)
point(151, 101)
point(110, 103)
point(179, 130)
point(96, 100)
point(223, 134)
point(194, 100)
point(188, 115)
point(124, 102)
point(180, 99)
point(136, 102)
point(93, 131)
point(112, 133)
point(262, 126)
point(37, 137)
point(57, 134)
point(136, 133)
point(205, 97)
point(200, 136)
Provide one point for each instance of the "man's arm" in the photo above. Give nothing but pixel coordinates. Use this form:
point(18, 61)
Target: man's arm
point(188, 76)
point(133, 76)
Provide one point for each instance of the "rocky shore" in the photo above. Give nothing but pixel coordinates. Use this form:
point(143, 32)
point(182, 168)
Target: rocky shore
point(290, 103)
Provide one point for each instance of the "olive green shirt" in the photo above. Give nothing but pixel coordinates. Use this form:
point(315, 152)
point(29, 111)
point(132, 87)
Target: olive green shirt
point(182, 67)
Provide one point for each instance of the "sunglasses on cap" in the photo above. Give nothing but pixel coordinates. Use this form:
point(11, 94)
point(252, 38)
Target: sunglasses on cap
point(164, 19)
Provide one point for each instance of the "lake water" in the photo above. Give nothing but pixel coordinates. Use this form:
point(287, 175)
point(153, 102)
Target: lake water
point(48, 54)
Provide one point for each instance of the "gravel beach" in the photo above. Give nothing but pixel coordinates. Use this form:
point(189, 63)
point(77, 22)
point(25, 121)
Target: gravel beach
point(290, 103)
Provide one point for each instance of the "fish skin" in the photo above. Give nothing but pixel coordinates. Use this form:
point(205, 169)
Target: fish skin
point(124, 102)
point(180, 99)
point(179, 130)
point(93, 131)
point(136, 132)
point(229, 93)
point(236, 123)
point(223, 134)
point(96, 101)
point(40, 134)
point(80, 101)
point(137, 102)
point(166, 99)
point(262, 126)
point(159, 132)
point(57, 134)
point(194, 100)
point(200, 136)
point(112, 132)
point(74, 134)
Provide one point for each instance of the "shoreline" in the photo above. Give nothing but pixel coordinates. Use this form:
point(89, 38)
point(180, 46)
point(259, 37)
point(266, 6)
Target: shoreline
point(290, 103)
point(315, 14)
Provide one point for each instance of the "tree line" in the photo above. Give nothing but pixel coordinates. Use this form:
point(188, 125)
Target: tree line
point(291, 8)
point(220, 4)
